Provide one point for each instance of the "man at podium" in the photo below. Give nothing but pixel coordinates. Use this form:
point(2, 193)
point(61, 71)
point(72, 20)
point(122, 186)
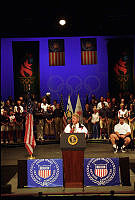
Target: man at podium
point(75, 126)
point(73, 144)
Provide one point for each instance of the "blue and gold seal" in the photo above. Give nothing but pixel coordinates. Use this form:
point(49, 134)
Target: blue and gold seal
point(72, 139)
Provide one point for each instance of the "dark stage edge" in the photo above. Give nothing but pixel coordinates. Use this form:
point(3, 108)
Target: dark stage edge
point(56, 142)
point(11, 154)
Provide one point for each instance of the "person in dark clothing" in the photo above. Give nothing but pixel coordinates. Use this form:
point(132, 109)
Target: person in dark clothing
point(58, 119)
point(131, 100)
point(103, 120)
point(10, 98)
point(49, 123)
point(110, 119)
point(8, 107)
point(87, 115)
point(4, 127)
point(115, 108)
point(134, 104)
point(11, 127)
point(19, 126)
point(39, 122)
point(92, 104)
point(131, 119)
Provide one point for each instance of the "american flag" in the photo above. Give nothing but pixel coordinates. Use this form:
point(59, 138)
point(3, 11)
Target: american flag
point(56, 52)
point(29, 138)
point(64, 117)
point(88, 51)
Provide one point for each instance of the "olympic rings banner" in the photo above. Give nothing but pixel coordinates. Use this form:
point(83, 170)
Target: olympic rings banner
point(101, 172)
point(45, 173)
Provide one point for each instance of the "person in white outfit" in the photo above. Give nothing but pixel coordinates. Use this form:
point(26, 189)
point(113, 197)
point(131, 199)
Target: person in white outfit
point(18, 107)
point(123, 112)
point(75, 126)
point(44, 104)
point(95, 123)
point(99, 105)
point(122, 132)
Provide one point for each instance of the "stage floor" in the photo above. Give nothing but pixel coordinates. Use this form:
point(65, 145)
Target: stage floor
point(10, 156)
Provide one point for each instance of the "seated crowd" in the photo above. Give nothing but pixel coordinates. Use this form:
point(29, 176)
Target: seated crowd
point(99, 117)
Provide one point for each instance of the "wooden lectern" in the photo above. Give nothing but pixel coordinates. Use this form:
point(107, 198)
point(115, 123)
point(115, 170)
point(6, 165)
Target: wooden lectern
point(72, 146)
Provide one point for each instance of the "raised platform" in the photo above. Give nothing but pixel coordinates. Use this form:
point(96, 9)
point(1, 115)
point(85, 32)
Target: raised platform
point(10, 154)
point(50, 141)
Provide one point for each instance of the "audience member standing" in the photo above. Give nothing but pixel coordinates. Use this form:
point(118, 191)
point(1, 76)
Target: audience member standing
point(87, 120)
point(54, 104)
point(11, 127)
point(4, 127)
point(49, 124)
point(115, 108)
point(132, 120)
point(8, 107)
point(19, 126)
point(123, 113)
point(130, 101)
point(103, 121)
point(110, 118)
point(18, 107)
point(108, 98)
point(92, 104)
point(95, 123)
point(39, 123)
point(58, 119)
point(99, 105)
point(44, 104)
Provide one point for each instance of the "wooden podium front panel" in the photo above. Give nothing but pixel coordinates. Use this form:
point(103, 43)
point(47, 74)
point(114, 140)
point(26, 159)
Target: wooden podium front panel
point(73, 162)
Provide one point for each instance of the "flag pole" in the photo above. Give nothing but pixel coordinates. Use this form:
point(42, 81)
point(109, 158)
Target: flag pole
point(31, 157)
point(29, 139)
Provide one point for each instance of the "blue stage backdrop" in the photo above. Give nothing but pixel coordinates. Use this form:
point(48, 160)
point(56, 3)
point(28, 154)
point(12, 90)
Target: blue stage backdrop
point(69, 79)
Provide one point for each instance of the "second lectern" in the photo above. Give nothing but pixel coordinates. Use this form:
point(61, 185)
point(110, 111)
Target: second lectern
point(73, 146)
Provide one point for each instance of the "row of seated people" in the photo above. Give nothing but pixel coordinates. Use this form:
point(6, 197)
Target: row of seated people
point(99, 117)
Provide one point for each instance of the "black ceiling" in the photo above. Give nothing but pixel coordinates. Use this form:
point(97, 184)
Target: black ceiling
point(38, 18)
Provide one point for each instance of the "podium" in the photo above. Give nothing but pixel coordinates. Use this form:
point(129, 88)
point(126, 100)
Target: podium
point(73, 146)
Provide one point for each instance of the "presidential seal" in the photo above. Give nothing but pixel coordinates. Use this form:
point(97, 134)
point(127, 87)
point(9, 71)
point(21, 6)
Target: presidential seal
point(72, 139)
point(100, 171)
point(44, 171)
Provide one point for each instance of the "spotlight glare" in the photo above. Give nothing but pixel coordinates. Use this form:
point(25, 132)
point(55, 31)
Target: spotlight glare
point(62, 22)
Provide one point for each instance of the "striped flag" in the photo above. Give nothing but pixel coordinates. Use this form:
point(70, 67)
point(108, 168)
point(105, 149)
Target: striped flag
point(78, 109)
point(69, 105)
point(56, 52)
point(29, 138)
point(64, 117)
point(88, 51)
point(69, 111)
